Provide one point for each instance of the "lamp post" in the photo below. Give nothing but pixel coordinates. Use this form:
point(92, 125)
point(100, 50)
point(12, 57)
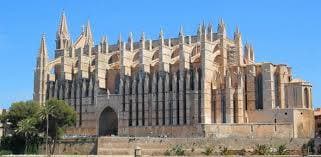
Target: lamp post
point(275, 116)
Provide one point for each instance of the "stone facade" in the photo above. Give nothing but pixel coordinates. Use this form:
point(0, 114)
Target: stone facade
point(192, 85)
point(317, 118)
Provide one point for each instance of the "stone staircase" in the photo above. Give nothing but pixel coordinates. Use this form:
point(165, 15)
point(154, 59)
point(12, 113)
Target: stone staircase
point(126, 145)
point(194, 146)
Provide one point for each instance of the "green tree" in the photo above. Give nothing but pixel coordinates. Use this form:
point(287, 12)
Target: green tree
point(19, 111)
point(29, 120)
point(60, 116)
point(22, 119)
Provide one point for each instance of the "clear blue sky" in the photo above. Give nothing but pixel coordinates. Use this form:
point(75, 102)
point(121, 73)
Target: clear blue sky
point(287, 31)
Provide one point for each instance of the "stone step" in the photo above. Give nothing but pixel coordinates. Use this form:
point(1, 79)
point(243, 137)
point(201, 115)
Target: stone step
point(127, 145)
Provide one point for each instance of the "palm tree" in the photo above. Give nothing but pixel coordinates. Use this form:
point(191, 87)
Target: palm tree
point(28, 129)
point(44, 113)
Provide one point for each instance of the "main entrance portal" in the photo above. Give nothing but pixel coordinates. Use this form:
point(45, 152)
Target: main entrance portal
point(108, 122)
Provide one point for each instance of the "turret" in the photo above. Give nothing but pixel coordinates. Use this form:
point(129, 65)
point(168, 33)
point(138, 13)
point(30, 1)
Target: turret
point(221, 30)
point(239, 46)
point(41, 71)
point(104, 45)
point(249, 54)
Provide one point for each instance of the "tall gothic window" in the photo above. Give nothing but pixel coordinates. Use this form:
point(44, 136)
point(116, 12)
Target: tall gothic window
point(276, 89)
point(306, 98)
point(184, 97)
point(259, 91)
point(143, 100)
point(117, 82)
point(199, 95)
point(163, 101)
point(130, 121)
point(245, 92)
point(235, 108)
point(177, 96)
point(192, 79)
point(157, 101)
point(136, 86)
point(223, 107)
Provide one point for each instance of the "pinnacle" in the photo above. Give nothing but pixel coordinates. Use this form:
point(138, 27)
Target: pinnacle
point(63, 28)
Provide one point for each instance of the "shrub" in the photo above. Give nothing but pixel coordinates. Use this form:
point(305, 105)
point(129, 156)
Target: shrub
point(282, 150)
point(208, 151)
point(193, 149)
point(262, 149)
point(308, 148)
point(5, 152)
point(178, 150)
point(167, 152)
point(242, 152)
point(225, 151)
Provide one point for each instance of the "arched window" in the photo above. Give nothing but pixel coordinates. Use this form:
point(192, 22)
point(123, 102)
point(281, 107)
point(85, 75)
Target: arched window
point(306, 98)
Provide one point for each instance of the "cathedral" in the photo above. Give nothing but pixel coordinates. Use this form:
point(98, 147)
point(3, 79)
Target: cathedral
point(201, 85)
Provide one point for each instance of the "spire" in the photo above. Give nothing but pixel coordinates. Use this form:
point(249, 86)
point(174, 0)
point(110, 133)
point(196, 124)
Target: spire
point(142, 40)
point(40, 89)
point(203, 26)
point(119, 42)
point(181, 31)
point(203, 32)
point(42, 56)
point(239, 46)
point(161, 36)
point(104, 44)
point(210, 31)
point(237, 30)
point(161, 33)
point(62, 36)
point(62, 28)
point(210, 27)
point(181, 35)
point(88, 34)
point(143, 36)
point(247, 54)
point(131, 41)
point(221, 28)
point(252, 57)
point(130, 37)
point(199, 32)
point(237, 33)
point(103, 39)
